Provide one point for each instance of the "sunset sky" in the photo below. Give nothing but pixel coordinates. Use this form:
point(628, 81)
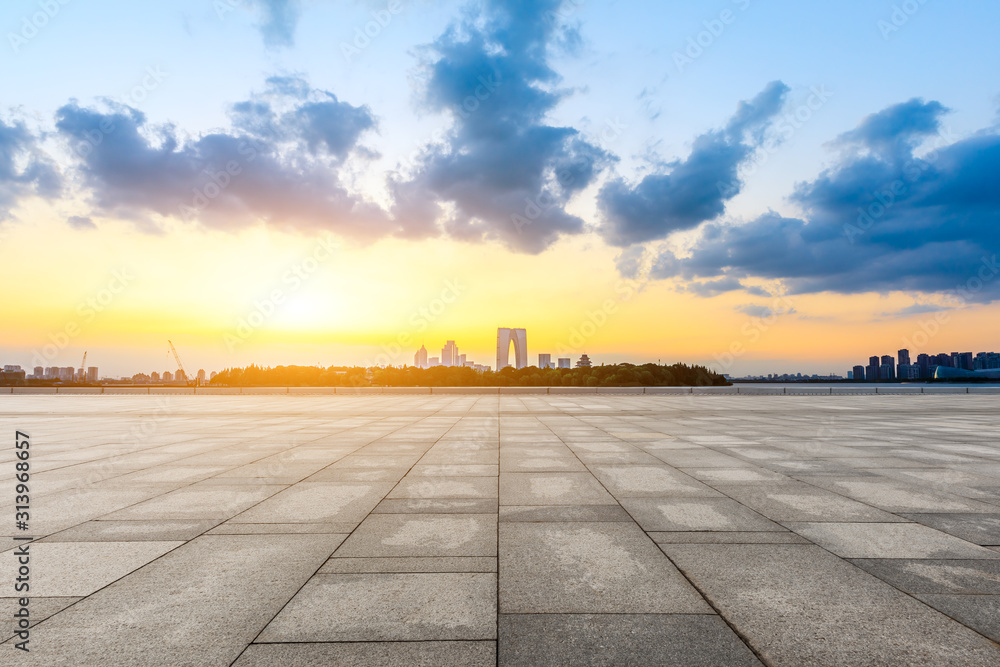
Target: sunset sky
point(758, 186)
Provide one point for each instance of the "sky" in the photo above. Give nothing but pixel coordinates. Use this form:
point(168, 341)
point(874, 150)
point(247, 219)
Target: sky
point(761, 187)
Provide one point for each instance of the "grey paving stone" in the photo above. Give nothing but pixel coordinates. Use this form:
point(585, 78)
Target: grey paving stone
point(214, 594)
point(76, 569)
point(317, 502)
point(879, 540)
point(539, 462)
point(388, 607)
point(896, 496)
point(447, 470)
point(801, 605)
point(768, 537)
point(438, 506)
point(687, 514)
point(619, 639)
point(983, 529)
point(374, 565)
point(552, 489)
point(133, 531)
point(422, 535)
point(371, 654)
point(748, 475)
point(445, 487)
point(795, 501)
point(559, 514)
point(39, 609)
point(651, 481)
point(232, 528)
point(197, 502)
point(588, 568)
point(944, 577)
point(979, 612)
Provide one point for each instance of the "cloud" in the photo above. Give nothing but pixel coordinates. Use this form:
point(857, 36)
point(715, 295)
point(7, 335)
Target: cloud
point(713, 287)
point(503, 173)
point(278, 19)
point(25, 170)
point(80, 222)
point(278, 164)
point(693, 190)
point(881, 219)
point(916, 309)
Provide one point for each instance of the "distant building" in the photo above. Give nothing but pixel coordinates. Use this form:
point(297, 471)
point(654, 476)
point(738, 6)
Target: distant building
point(903, 357)
point(545, 361)
point(859, 373)
point(154, 377)
point(39, 372)
point(565, 362)
point(519, 337)
point(449, 354)
point(201, 375)
point(461, 360)
point(212, 376)
point(92, 376)
point(871, 372)
point(420, 358)
point(180, 376)
point(583, 362)
point(52, 372)
point(986, 361)
point(887, 369)
point(67, 373)
point(433, 361)
point(168, 376)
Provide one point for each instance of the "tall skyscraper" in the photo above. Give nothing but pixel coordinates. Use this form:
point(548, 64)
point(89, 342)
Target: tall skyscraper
point(201, 375)
point(420, 358)
point(168, 376)
point(859, 373)
point(449, 354)
point(154, 377)
point(545, 361)
point(871, 373)
point(903, 356)
point(519, 337)
point(887, 369)
point(39, 372)
point(461, 360)
point(565, 362)
point(92, 374)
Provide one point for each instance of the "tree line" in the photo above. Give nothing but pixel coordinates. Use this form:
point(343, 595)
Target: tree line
point(613, 375)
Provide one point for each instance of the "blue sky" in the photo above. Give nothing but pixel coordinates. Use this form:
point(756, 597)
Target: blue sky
point(716, 147)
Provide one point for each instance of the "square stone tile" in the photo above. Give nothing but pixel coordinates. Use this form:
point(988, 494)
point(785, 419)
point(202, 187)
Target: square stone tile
point(402, 565)
point(553, 568)
point(318, 502)
point(979, 612)
point(651, 481)
point(552, 489)
point(786, 600)
point(564, 513)
point(422, 535)
point(76, 569)
point(163, 530)
point(982, 529)
point(688, 514)
point(619, 639)
point(445, 487)
point(388, 607)
point(937, 577)
point(796, 501)
point(897, 540)
point(371, 654)
point(437, 506)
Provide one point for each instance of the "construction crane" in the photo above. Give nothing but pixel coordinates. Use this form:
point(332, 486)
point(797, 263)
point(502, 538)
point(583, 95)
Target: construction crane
point(180, 366)
point(82, 376)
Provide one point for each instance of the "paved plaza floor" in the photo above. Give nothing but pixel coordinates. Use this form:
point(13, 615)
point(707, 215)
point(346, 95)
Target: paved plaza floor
point(515, 530)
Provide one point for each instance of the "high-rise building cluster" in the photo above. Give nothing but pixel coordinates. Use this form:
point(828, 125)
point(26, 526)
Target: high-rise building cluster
point(506, 337)
point(887, 369)
point(54, 373)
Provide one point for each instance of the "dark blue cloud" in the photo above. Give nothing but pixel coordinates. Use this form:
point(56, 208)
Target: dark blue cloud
point(692, 190)
point(25, 170)
point(279, 165)
point(882, 219)
point(504, 172)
